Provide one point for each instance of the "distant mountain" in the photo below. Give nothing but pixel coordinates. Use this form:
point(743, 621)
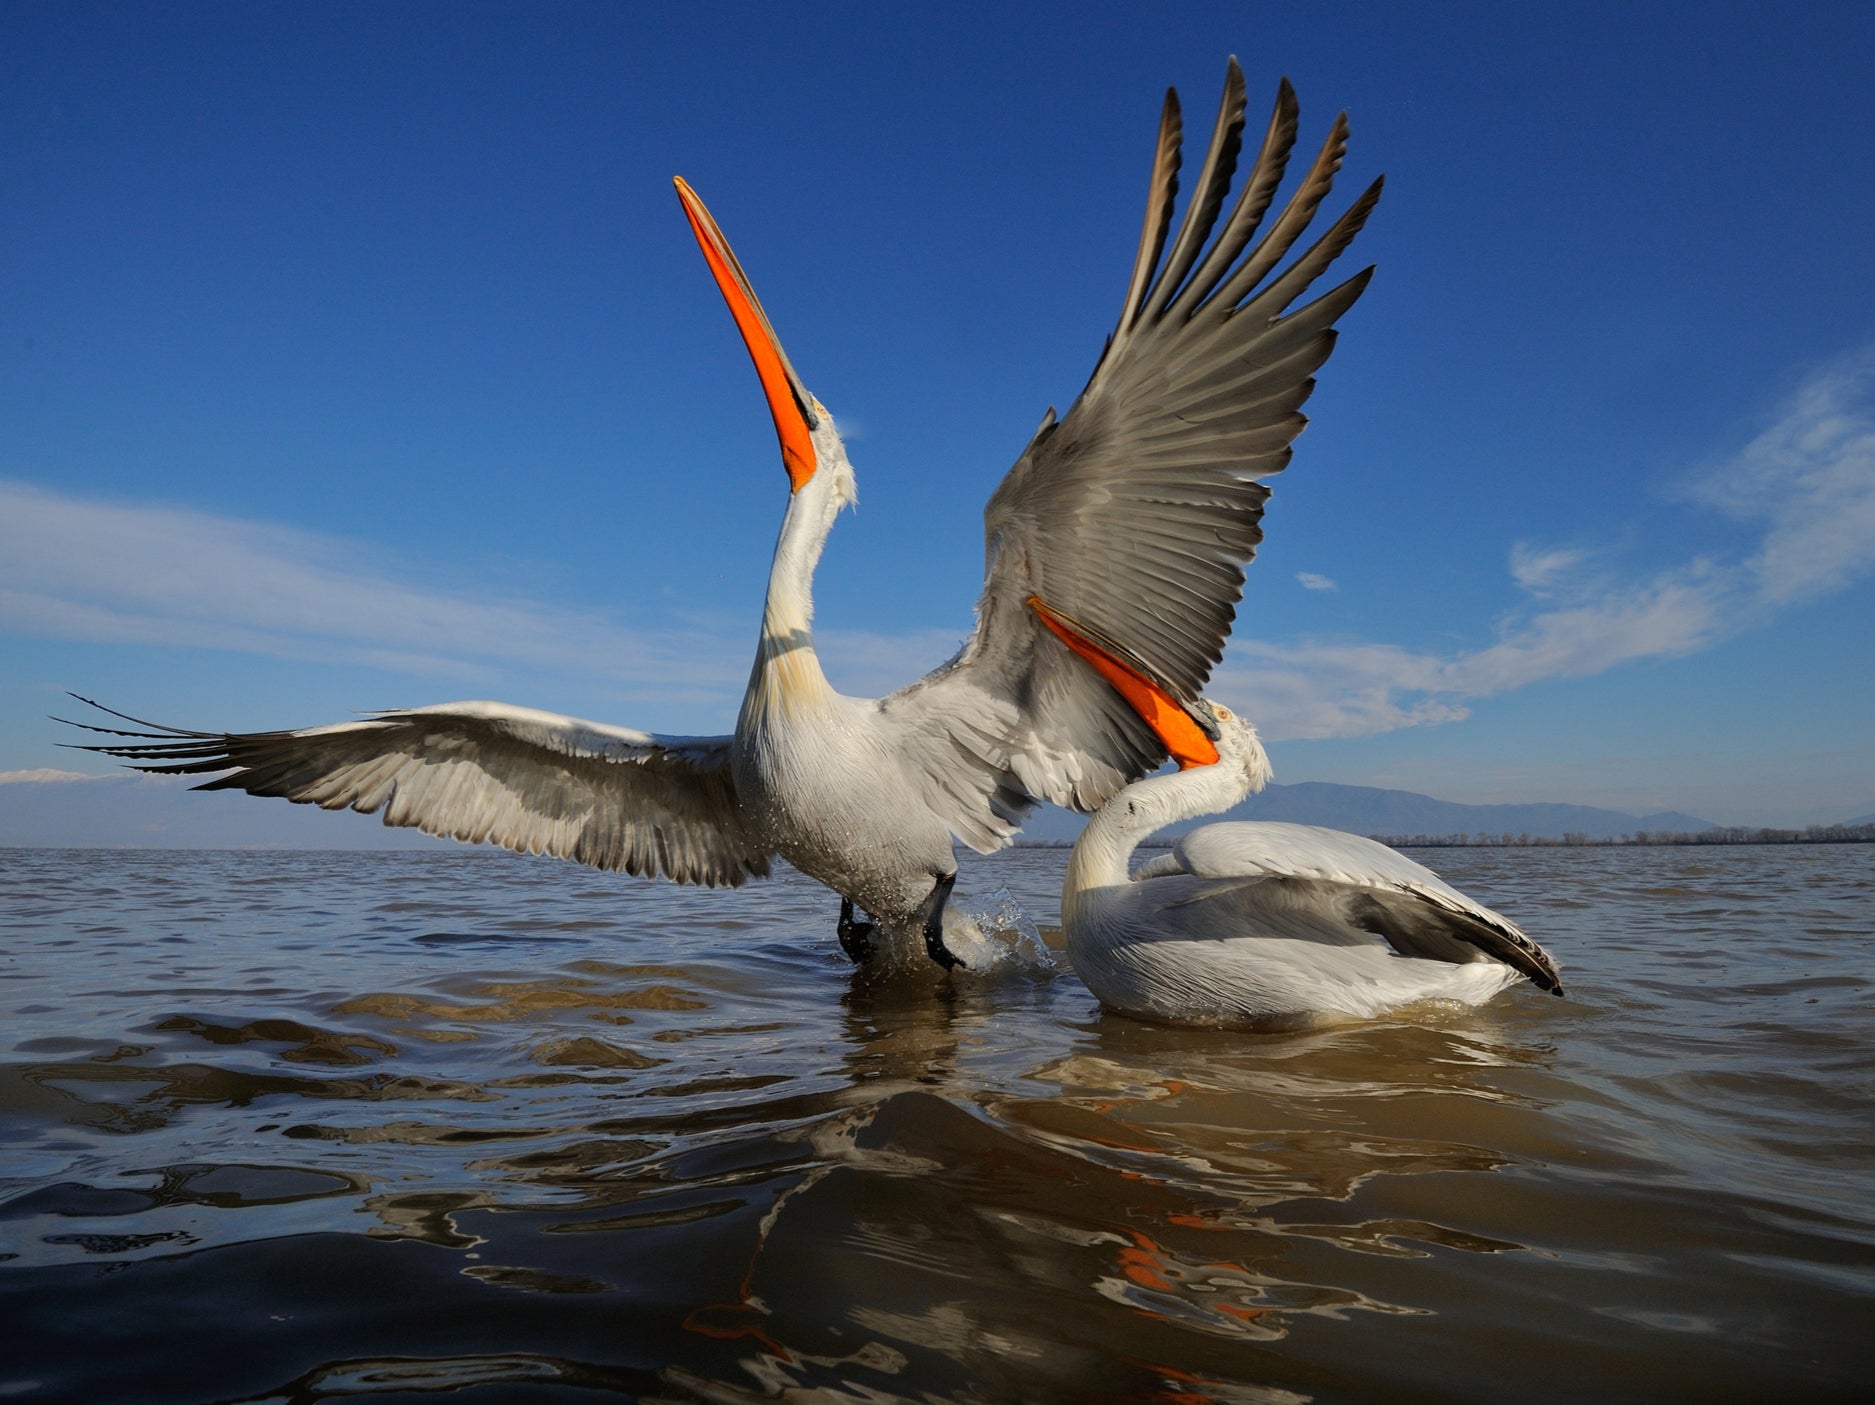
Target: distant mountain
point(1869, 818)
point(1364, 809)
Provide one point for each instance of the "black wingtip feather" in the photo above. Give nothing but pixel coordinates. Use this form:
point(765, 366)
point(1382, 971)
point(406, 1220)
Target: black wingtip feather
point(1161, 192)
point(1207, 196)
point(159, 729)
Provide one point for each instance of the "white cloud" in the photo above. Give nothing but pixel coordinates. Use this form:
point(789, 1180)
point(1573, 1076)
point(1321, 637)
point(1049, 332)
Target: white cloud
point(119, 573)
point(1810, 478)
point(1316, 690)
point(42, 775)
point(1331, 690)
point(1539, 570)
point(1675, 613)
point(77, 569)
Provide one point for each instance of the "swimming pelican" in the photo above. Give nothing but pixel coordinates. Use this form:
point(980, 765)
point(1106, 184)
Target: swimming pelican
point(1257, 923)
point(1121, 532)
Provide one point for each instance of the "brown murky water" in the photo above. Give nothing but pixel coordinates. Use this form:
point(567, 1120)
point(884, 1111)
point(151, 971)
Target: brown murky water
point(298, 1127)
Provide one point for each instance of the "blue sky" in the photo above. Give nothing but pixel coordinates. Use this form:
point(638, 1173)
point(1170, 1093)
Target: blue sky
point(359, 356)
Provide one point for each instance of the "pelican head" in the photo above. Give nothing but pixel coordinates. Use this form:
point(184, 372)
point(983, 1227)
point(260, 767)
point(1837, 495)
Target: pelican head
point(1239, 749)
point(811, 449)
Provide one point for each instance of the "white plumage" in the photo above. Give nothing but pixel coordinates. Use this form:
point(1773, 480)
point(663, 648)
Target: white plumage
point(1256, 923)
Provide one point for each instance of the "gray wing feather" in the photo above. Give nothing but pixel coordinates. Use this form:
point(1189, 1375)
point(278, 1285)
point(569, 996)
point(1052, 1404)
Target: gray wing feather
point(489, 773)
point(1161, 191)
point(1371, 886)
point(1136, 513)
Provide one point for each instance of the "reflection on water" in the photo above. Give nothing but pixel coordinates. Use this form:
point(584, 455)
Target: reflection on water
point(295, 1127)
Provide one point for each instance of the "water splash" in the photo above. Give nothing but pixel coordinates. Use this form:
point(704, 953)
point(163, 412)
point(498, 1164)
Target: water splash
point(998, 939)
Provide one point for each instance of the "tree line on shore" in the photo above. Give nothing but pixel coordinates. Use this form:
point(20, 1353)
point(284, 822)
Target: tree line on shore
point(1724, 834)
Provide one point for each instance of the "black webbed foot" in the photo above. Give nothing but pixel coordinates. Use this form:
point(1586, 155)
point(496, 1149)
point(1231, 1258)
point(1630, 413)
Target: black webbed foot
point(855, 936)
point(933, 915)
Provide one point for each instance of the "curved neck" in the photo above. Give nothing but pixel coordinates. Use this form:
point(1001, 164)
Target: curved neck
point(1102, 852)
point(787, 675)
point(1106, 846)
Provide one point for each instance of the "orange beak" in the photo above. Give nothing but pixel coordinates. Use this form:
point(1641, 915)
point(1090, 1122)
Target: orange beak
point(1184, 738)
point(788, 400)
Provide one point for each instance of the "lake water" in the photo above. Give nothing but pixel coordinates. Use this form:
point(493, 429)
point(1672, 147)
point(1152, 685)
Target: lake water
point(305, 1126)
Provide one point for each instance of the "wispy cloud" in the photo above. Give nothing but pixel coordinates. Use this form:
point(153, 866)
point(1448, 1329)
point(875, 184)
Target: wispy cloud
point(1539, 569)
point(1809, 478)
point(1315, 690)
point(42, 775)
point(1297, 691)
point(72, 568)
point(1676, 612)
point(105, 572)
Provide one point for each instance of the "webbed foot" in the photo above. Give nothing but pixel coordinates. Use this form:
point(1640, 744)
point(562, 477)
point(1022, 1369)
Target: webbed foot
point(855, 936)
point(933, 918)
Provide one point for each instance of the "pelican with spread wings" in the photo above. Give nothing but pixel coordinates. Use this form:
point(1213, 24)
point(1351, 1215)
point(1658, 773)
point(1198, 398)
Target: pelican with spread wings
point(1116, 548)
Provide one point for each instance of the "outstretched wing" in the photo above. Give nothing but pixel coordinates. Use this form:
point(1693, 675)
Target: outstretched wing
point(489, 773)
point(1134, 516)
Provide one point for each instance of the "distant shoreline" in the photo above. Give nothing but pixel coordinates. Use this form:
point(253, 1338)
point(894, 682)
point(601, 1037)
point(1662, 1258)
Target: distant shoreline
point(1641, 839)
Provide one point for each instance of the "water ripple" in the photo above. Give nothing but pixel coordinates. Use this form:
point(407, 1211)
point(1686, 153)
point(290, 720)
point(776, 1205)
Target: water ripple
point(298, 1127)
